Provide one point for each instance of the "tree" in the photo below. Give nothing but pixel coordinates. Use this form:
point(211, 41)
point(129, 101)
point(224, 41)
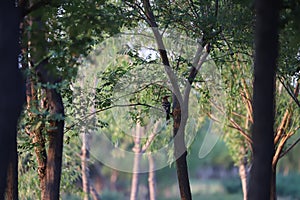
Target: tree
point(266, 53)
point(51, 50)
point(12, 88)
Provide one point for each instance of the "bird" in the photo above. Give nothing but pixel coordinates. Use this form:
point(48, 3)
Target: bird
point(167, 106)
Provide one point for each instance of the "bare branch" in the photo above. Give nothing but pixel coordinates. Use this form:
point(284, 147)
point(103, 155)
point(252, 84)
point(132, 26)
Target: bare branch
point(235, 124)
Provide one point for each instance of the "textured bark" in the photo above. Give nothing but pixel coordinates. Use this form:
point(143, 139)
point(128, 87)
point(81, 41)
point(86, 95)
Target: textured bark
point(11, 85)
point(151, 178)
point(55, 150)
point(55, 133)
point(40, 151)
point(266, 53)
point(37, 134)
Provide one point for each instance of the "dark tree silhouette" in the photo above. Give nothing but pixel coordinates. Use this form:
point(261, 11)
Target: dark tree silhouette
point(266, 53)
point(12, 93)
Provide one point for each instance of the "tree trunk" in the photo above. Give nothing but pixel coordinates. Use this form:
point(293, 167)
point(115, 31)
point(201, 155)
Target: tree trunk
point(85, 148)
point(55, 132)
point(151, 177)
point(136, 163)
point(84, 165)
point(40, 151)
point(180, 151)
point(266, 53)
point(243, 176)
point(11, 85)
point(273, 184)
point(12, 174)
point(55, 150)
point(37, 134)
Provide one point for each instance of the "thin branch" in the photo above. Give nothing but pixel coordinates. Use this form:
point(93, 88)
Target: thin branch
point(290, 148)
point(287, 117)
point(246, 136)
point(234, 124)
point(162, 50)
point(198, 61)
point(290, 92)
point(279, 148)
point(107, 108)
point(138, 34)
point(139, 90)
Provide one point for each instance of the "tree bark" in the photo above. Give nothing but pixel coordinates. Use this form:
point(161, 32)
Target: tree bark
point(151, 178)
point(55, 149)
point(37, 133)
point(40, 151)
point(11, 85)
point(266, 53)
point(55, 132)
point(180, 151)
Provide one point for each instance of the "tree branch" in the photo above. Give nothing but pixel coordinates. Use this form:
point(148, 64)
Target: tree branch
point(162, 50)
point(235, 125)
point(290, 92)
point(290, 147)
point(107, 108)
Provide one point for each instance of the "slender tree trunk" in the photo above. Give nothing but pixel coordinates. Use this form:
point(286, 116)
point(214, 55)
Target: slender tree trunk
point(243, 176)
point(180, 151)
point(84, 165)
point(86, 136)
point(151, 177)
point(266, 52)
point(11, 85)
point(12, 174)
point(136, 163)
